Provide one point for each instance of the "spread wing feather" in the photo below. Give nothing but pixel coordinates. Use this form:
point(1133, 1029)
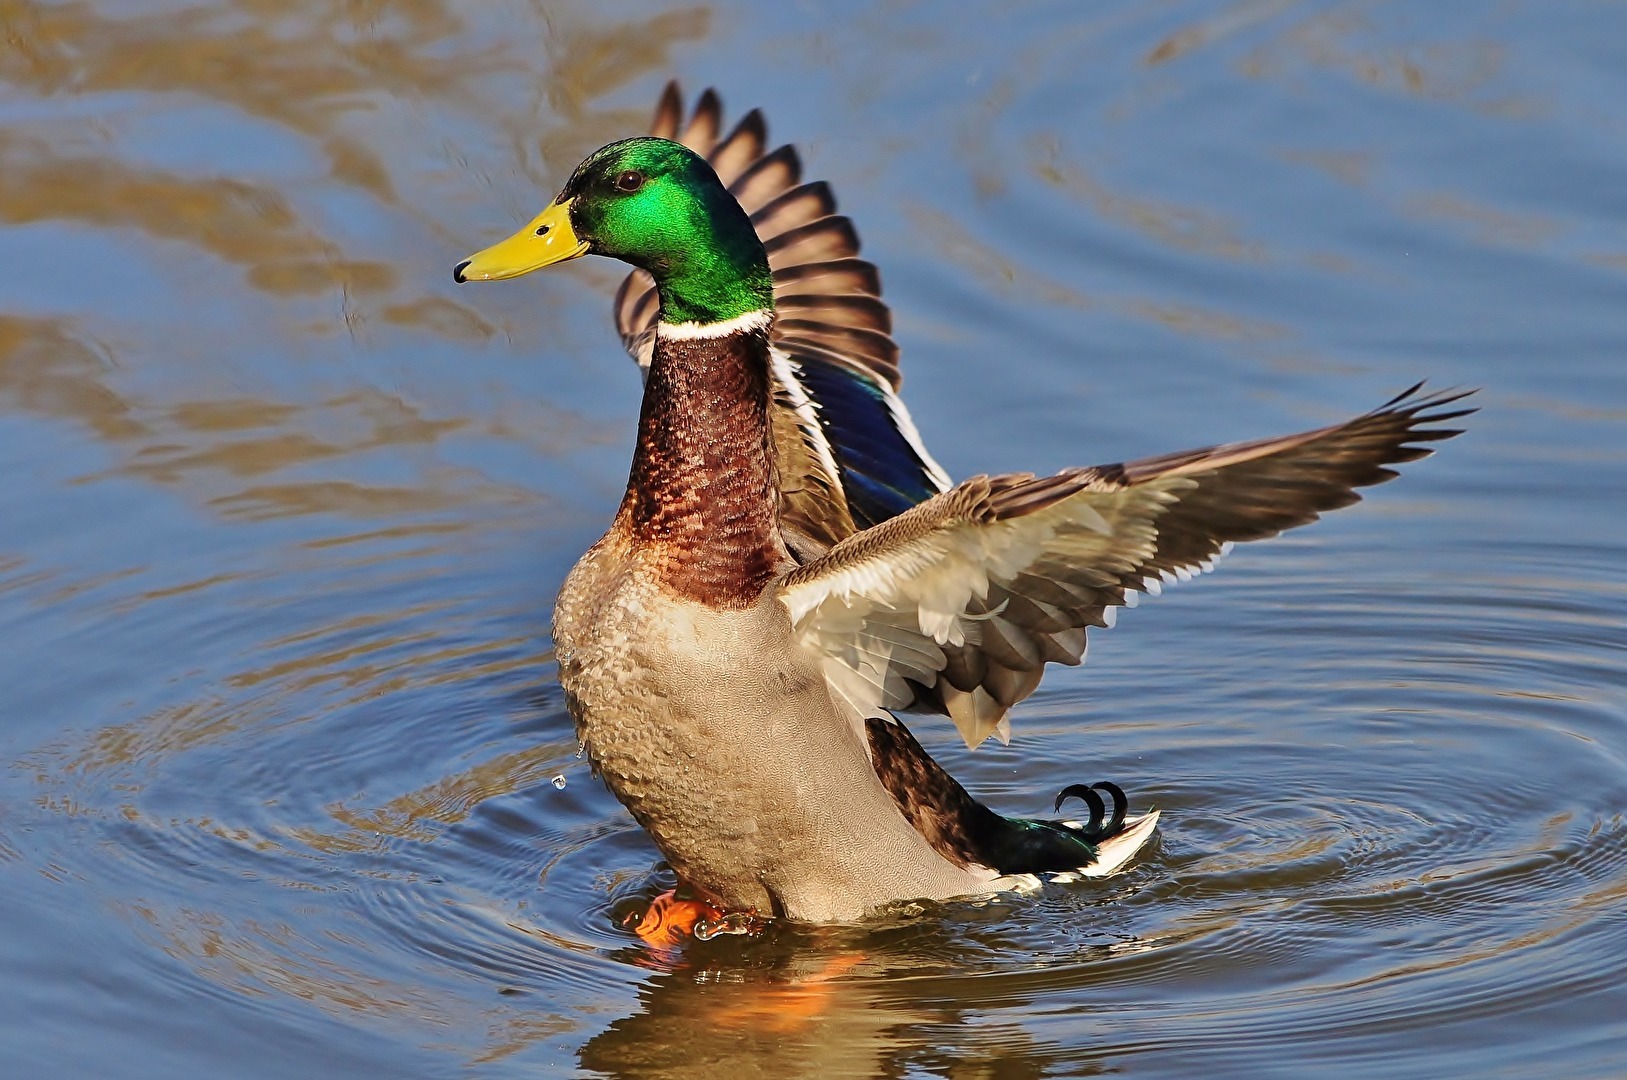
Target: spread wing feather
point(957, 604)
point(848, 455)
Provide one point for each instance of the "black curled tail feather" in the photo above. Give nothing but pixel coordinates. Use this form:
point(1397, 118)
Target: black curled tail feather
point(966, 832)
point(1097, 828)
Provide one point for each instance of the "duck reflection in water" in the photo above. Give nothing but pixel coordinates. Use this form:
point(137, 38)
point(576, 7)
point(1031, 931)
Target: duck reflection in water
point(834, 1002)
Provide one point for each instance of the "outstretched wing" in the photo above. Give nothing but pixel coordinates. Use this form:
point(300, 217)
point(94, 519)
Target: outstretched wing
point(957, 604)
point(847, 453)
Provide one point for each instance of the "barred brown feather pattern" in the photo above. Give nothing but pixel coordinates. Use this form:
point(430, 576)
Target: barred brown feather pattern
point(799, 228)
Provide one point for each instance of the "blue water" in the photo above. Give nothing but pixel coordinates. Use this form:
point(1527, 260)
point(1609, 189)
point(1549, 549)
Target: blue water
point(285, 511)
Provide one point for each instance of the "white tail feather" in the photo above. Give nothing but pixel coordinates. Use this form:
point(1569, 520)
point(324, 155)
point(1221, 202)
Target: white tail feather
point(1112, 854)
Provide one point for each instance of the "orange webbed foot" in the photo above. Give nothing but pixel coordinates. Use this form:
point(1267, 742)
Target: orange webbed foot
point(671, 918)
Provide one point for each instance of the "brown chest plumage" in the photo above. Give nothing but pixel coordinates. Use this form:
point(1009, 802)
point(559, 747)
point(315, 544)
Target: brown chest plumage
point(701, 499)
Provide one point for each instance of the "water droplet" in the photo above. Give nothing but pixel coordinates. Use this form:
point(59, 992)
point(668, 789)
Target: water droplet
point(559, 781)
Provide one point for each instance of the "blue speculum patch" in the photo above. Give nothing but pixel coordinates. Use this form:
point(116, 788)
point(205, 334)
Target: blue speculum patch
point(881, 472)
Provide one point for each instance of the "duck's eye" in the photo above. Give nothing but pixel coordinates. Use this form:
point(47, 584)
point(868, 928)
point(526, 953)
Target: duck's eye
point(631, 180)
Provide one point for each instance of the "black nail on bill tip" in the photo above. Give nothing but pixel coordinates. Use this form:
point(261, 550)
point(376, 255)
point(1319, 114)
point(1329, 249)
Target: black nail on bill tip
point(457, 271)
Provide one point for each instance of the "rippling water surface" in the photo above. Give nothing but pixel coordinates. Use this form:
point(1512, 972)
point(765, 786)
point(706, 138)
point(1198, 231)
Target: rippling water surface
point(288, 787)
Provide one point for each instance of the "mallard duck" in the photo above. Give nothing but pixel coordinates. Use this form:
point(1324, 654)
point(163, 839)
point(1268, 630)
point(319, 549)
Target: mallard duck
point(789, 568)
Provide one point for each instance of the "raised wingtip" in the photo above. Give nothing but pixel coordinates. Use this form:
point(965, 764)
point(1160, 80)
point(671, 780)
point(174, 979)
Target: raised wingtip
point(707, 123)
point(1414, 403)
point(754, 125)
point(669, 112)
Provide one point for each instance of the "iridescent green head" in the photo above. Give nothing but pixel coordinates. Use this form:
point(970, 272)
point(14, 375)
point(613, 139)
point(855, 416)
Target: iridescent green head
point(657, 205)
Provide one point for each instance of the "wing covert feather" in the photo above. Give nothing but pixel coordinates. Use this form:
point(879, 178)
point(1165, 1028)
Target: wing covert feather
point(983, 585)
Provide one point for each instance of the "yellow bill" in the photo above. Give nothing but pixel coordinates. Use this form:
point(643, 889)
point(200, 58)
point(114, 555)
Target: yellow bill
point(546, 240)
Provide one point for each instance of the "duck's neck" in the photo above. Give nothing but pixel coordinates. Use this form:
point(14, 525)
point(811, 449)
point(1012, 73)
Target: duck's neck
point(702, 497)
